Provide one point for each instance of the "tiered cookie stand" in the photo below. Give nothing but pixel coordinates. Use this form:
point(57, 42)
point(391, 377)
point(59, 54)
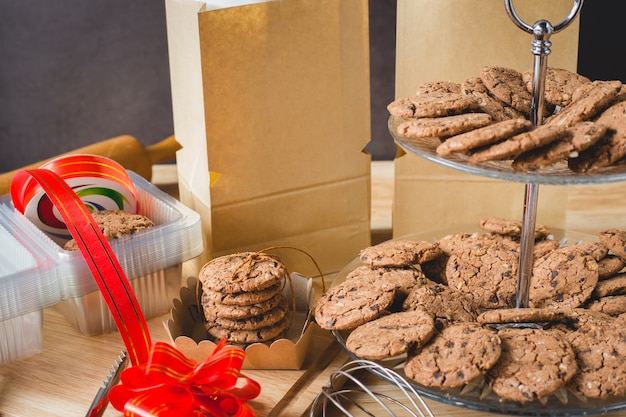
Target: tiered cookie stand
point(477, 396)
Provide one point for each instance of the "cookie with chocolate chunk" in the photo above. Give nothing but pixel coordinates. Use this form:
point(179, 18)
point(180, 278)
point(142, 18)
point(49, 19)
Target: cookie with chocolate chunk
point(615, 241)
point(576, 139)
point(239, 272)
point(432, 105)
point(399, 252)
point(391, 335)
point(257, 321)
point(352, 303)
point(601, 352)
point(609, 266)
point(610, 148)
point(534, 364)
point(115, 224)
point(611, 286)
point(483, 136)
point(564, 278)
point(487, 272)
point(446, 305)
point(489, 104)
point(244, 337)
point(511, 227)
point(434, 87)
point(213, 310)
point(613, 305)
point(589, 101)
point(442, 127)
point(507, 85)
point(459, 354)
point(520, 143)
point(403, 278)
point(521, 315)
point(560, 85)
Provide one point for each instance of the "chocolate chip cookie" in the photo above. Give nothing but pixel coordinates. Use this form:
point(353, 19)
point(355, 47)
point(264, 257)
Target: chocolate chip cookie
point(432, 105)
point(352, 303)
point(391, 335)
point(459, 354)
point(534, 364)
point(564, 278)
point(115, 224)
point(240, 272)
point(442, 127)
point(483, 136)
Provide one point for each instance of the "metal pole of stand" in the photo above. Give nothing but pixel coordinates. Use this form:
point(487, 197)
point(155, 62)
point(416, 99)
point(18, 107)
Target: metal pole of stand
point(542, 30)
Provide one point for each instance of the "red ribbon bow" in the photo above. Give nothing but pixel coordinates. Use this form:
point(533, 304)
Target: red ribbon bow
point(170, 384)
point(162, 382)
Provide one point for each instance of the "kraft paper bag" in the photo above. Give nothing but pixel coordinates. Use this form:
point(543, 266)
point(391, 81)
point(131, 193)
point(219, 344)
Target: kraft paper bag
point(271, 107)
point(452, 40)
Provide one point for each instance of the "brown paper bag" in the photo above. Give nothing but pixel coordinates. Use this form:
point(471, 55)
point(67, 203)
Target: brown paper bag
point(452, 40)
point(271, 107)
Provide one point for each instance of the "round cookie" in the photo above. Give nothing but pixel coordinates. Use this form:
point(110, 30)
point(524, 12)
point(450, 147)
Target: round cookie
point(442, 127)
point(518, 144)
point(483, 136)
point(243, 298)
point(434, 87)
point(615, 285)
point(459, 354)
point(489, 104)
point(403, 278)
point(560, 85)
point(576, 139)
point(446, 305)
point(521, 315)
point(609, 266)
point(213, 310)
point(487, 272)
point(511, 227)
point(263, 334)
point(601, 355)
point(587, 102)
point(613, 305)
point(391, 335)
point(261, 320)
point(352, 303)
point(115, 224)
point(508, 86)
point(615, 241)
point(611, 148)
point(457, 243)
point(534, 364)
point(597, 250)
point(564, 278)
point(432, 105)
point(240, 272)
point(399, 253)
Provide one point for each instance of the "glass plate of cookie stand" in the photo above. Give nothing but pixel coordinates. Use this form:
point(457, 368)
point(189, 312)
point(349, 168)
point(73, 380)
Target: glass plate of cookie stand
point(477, 395)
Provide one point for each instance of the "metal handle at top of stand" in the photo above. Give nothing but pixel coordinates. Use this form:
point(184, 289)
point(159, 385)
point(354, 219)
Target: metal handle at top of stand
point(542, 30)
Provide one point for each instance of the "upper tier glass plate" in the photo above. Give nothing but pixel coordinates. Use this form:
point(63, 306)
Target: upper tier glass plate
point(558, 174)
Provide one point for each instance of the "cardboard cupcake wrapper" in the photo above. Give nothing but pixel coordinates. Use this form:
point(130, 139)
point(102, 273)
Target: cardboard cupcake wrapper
point(188, 333)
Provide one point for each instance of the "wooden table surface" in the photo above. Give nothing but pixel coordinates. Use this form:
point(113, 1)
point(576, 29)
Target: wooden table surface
point(62, 380)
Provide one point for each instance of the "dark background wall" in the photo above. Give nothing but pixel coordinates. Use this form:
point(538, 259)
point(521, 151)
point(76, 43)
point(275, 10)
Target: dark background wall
point(75, 72)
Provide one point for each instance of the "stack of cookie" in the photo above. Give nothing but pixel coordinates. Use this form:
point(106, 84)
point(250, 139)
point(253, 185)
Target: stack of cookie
point(453, 318)
point(486, 118)
point(242, 299)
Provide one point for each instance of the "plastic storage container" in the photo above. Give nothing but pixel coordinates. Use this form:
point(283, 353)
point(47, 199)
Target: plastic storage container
point(151, 260)
point(28, 283)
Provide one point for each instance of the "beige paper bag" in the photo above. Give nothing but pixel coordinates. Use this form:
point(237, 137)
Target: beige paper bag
point(271, 106)
point(452, 40)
